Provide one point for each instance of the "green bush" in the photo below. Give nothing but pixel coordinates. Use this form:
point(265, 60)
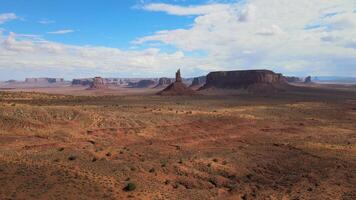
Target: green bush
point(130, 187)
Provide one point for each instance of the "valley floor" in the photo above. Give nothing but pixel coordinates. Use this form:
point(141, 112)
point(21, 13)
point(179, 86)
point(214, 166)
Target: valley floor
point(289, 145)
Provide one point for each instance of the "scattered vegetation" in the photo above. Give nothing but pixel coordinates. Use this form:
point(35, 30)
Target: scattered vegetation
point(130, 187)
point(72, 157)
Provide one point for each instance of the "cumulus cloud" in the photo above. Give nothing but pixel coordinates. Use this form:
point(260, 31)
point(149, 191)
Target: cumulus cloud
point(273, 30)
point(304, 36)
point(248, 13)
point(61, 32)
point(5, 17)
point(182, 11)
point(42, 56)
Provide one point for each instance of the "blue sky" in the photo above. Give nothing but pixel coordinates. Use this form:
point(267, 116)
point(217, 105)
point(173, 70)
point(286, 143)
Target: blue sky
point(110, 23)
point(152, 38)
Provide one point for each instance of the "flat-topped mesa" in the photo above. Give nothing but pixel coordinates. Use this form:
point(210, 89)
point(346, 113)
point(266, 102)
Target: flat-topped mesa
point(177, 88)
point(243, 79)
point(98, 83)
point(44, 80)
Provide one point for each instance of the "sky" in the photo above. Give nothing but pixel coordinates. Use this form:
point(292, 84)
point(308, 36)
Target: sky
point(153, 38)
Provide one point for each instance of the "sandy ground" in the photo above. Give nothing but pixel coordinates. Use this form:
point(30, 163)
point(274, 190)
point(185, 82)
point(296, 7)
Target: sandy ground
point(298, 144)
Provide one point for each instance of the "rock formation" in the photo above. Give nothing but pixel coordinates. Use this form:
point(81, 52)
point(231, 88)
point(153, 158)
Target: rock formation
point(198, 81)
point(164, 82)
point(308, 79)
point(84, 82)
point(293, 79)
point(98, 83)
point(252, 80)
point(177, 88)
point(142, 84)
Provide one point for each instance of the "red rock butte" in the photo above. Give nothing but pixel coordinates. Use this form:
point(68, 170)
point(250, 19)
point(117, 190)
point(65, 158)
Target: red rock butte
point(98, 83)
point(178, 88)
point(245, 79)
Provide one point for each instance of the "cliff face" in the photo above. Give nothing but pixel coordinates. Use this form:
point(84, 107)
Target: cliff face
point(242, 79)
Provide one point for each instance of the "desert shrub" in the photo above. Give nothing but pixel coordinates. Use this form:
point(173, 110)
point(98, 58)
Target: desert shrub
point(72, 157)
point(152, 170)
point(60, 149)
point(14, 104)
point(130, 187)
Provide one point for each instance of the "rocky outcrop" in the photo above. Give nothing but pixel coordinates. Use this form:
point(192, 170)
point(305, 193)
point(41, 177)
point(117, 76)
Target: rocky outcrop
point(198, 81)
point(142, 84)
point(245, 79)
point(98, 83)
point(164, 82)
point(177, 88)
point(308, 79)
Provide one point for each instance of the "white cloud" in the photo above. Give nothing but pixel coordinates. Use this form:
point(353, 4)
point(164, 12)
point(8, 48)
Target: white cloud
point(42, 56)
point(228, 31)
point(46, 21)
point(61, 32)
point(248, 13)
point(293, 37)
point(273, 30)
point(181, 11)
point(5, 17)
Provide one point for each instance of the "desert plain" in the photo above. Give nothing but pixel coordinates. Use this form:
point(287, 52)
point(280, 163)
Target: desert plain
point(290, 145)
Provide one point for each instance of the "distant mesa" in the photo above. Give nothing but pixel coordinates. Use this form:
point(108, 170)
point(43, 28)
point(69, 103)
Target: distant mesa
point(251, 80)
point(44, 80)
point(142, 84)
point(177, 88)
point(98, 83)
point(293, 79)
point(164, 82)
point(84, 82)
point(198, 82)
point(308, 79)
